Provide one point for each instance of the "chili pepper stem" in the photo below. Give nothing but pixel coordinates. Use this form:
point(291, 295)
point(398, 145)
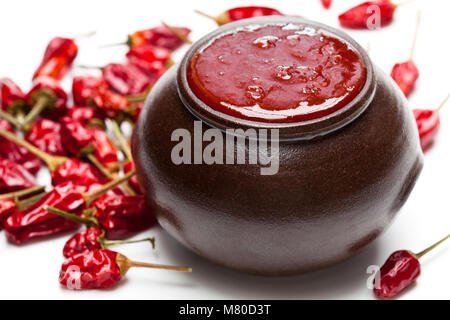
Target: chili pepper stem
point(205, 15)
point(11, 119)
point(40, 105)
point(108, 243)
point(422, 253)
point(52, 162)
point(83, 66)
point(125, 264)
point(177, 32)
point(113, 45)
point(107, 173)
point(122, 141)
point(21, 193)
point(442, 103)
point(85, 35)
point(137, 97)
point(88, 221)
point(23, 204)
point(99, 166)
point(416, 32)
point(89, 197)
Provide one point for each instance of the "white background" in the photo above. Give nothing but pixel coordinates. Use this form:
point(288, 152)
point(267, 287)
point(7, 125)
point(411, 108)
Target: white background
point(31, 271)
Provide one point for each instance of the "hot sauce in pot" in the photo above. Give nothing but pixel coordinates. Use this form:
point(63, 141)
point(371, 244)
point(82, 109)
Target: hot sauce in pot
point(276, 73)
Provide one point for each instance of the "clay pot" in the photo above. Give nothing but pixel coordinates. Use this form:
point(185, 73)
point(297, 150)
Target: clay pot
point(341, 178)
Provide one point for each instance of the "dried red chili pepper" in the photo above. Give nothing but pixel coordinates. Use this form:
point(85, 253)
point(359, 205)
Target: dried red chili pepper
point(78, 172)
point(86, 115)
point(240, 13)
point(120, 217)
point(92, 239)
point(10, 203)
point(36, 221)
point(400, 270)
point(46, 97)
point(428, 123)
point(326, 3)
point(12, 100)
point(52, 162)
point(152, 60)
point(360, 16)
point(94, 92)
point(126, 79)
point(163, 36)
point(14, 176)
point(45, 134)
point(90, 142)
point(405, 74)
point(101, 269)
point(83, 88)
point(104, 149)
point(16, 153)
point(58, 58)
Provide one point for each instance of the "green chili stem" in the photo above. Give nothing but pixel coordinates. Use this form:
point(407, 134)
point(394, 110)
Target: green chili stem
point(123, 143)
point(89, 222)
point(422, 253)
point(89, 197)
point(21, 193)
point(40, 105)
point(108, 243)
point(52, 162)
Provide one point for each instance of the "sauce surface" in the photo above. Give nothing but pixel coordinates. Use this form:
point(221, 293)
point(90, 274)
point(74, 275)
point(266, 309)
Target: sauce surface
point(276, 73)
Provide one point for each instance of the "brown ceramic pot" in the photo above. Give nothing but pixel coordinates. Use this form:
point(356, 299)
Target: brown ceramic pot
point(341, 179)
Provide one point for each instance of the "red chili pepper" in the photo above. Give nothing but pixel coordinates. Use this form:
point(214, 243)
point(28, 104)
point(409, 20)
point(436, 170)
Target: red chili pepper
point(123, 216)
point(104, 149)
point(125, 79)
point(75, 136)
point(83, 88)
point(428, 123)
point(86, 115)
point(405, 74)
point(53, 162)
point(92, 239)
point(12, 98)
point(16, 153)
point(94, 92)
point(400, 270)
point(134, 183)
point(120, 217)
point(36, 221)
point(326, 3)
point(46, 135)
point(163, 36)
point(101, 269)
point(9, 203)
point(7, 208)
point(240, 13)
point(152, 60)
point(14, 176)
point(46, 97)
point(58, 58)
point(360, 17)
point(79, 173)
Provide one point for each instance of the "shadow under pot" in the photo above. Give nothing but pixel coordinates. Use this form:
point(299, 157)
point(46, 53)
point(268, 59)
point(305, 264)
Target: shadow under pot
point(336, 148)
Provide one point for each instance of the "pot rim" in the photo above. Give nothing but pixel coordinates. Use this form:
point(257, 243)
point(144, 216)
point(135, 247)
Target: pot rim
point(302, 130)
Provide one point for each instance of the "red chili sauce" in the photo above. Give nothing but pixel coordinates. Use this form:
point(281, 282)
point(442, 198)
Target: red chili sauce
point(276, 73)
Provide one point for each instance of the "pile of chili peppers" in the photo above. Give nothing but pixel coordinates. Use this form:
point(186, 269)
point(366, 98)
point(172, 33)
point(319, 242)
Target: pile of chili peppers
point(72, 140)
point(83, 160)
